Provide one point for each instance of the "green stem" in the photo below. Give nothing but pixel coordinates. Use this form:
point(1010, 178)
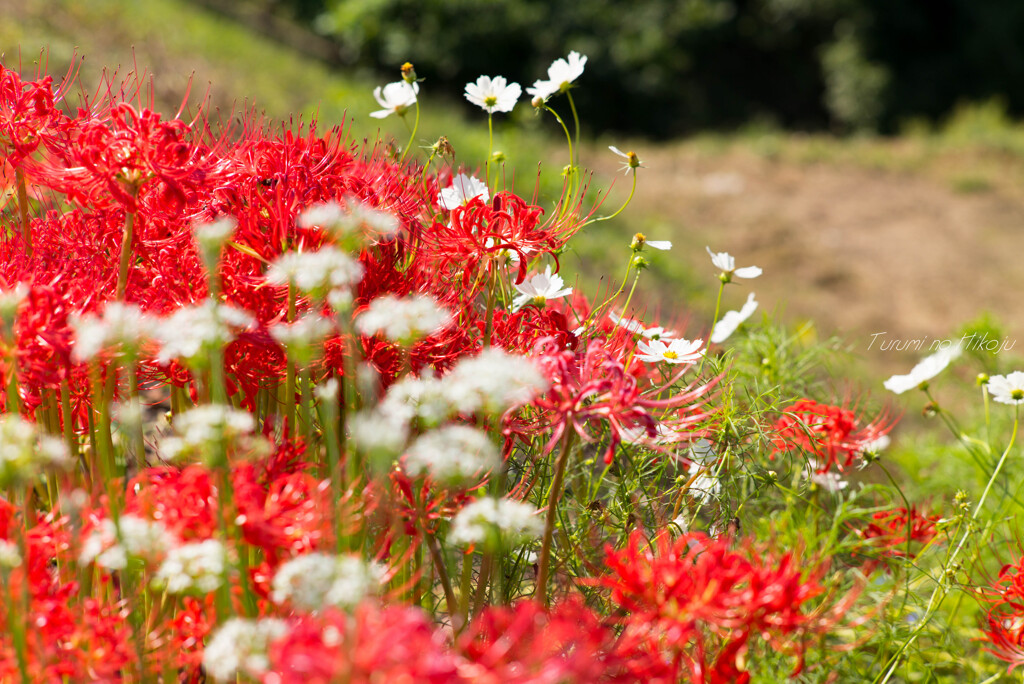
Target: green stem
point(549, 519)
point(412, 134)
point(490, 148)
point(126, 255)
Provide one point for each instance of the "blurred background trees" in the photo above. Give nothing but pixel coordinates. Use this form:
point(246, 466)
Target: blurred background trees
point(675, 66)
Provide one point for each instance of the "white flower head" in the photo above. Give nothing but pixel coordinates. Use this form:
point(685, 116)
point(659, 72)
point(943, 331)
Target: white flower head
point(732, 320)
point(829, 481)
point(315, 273)
point(538, 289)
point(212, 237)
point(10, 556)
point(924, 371)
point(24, 454)
point(424, 398)
point(494, 523)
point(395, 98)
point(192, 332)
point(303, 337)
point(194, 568)
point(110, 546)
point(241, 647)
point(1007, 389)
point(315, 581)
point(403, 320)
point(561, 75)
point(122, 328)
point(493, 382)
point(461, 191)
point(453, 454)
point(208, 430)
point(670, 351)
point(727, 265)
point(493, 94)
point(704, 486)
point(632, 160)
point(345, 220)
point(379, 434)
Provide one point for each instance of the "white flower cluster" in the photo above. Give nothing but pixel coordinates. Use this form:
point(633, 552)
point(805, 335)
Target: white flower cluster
point(196, 567)
point(493, 523)
point(24, 455)
point(493, 381)
point(403, 320)
point(314, 581)
point(192, 332)
point(110, 546)
point(122, 327)
point(302, 338)
point(316, 273)
point(211, 238)
point(207, 430)
point(240, 647)
point(452, 454)
point(343, 221)
point(10, 556)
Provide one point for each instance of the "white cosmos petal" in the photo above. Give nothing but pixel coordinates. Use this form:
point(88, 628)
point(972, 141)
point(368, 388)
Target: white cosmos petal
point(747, 272)
point(927, 369)
point(732, 320)
point(663, 245)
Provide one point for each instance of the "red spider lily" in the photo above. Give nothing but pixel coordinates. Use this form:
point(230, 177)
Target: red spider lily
point(696, 588)
point(888, 531)
point(527, 643)
point(833, 435)
point(1004, 620)
point(481, 234)
point(290, 516)
point(376, 644)
point(184, 500)
point(596, 387)
point(28, 112)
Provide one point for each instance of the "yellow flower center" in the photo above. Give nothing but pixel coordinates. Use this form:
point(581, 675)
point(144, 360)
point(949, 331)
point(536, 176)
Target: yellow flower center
point(490, 100)
point(1017, 394)
point(670, 354)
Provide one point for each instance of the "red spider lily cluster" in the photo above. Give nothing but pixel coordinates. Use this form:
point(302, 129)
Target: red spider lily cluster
point(284, 513)
point(1004, 620)
point(833, 436)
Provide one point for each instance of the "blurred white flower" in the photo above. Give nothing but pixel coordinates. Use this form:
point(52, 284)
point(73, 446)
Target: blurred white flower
point(24, 454)
point(1007, 389)
point(315, 581)
point(493, 94)
point(110, 546)
point(240, 647)
point(493, 523)
point(192, 332)
point(731, 320)
point(727, 264)
point(539, 289)
point(342, 221)
point(452, 454)
point(461, 191)
point(704, 485)
point(302, 338)
point(315, 273)
point(122, 329)
point(404, 320)
point(395, 98)
point(671, 351)
point(493, 381)
point(927, 369)
point(10, 556)
point(195, 568)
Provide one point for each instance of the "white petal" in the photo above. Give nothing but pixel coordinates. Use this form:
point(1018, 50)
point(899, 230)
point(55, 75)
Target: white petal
point(747, 272)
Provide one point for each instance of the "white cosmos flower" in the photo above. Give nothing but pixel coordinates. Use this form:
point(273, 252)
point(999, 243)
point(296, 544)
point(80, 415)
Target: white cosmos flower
point(561, 75)
point(632, 161)
point(540, 288)
point(927, 369)
point(1007, 389)
point(705, 486)
point(395, 98)
point(732, 319)
point(493, 94)
point(671, 351)
point(727, 264)
point(461, 191)
point(637, 327)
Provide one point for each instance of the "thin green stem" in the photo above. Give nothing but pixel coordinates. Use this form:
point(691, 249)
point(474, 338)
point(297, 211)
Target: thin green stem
point(126, 255)
point(549, 519)
point(412, 134)
point(490, 147)
point(26, 225)
point(620, 209)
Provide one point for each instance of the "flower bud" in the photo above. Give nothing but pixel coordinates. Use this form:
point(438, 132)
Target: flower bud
point(537, 102)
point(638, 242)
point(408, 73)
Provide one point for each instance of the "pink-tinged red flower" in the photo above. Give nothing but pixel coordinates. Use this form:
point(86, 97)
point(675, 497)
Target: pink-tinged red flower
point(595, 388)
point(29, 114)
point(1004, 619)
point(831, 435)
point(891, 531)
point(183, 499)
